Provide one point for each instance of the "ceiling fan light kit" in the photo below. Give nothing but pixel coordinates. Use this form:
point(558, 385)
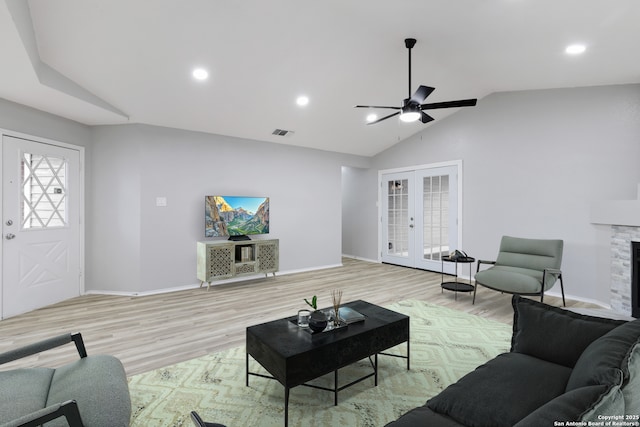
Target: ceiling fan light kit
point(412, 108)
point(410, 112)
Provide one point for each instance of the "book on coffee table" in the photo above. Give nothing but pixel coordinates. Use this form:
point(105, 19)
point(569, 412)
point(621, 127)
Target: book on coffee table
point(349, 315)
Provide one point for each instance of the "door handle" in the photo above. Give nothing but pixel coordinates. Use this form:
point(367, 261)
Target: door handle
point(10, 236)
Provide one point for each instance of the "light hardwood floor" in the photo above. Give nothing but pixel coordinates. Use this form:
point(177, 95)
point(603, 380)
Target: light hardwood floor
point(148, 332)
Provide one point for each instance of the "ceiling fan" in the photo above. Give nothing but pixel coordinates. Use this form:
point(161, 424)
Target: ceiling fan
point(412, 108)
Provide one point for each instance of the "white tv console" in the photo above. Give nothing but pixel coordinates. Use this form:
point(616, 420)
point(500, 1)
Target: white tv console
point(226, 259)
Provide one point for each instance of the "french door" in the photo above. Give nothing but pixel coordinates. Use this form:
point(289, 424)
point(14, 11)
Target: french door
point(420, 217)
point(40, 224)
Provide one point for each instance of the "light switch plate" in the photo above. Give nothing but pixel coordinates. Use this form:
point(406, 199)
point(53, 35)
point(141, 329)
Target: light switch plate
point(161, 201)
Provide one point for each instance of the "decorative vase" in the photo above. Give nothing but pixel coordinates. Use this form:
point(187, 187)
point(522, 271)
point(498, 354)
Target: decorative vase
point(318, 321)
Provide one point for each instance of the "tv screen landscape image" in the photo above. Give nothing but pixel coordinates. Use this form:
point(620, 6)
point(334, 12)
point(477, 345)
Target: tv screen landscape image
point(229, 216)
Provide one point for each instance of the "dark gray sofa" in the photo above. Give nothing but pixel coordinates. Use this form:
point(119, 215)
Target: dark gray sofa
point(562, 366)
point(89, 392)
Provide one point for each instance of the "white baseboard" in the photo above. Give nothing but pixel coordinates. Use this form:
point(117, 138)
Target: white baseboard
point(361, 259)
point(559, 295)
point(214, 283)
point(581, 299)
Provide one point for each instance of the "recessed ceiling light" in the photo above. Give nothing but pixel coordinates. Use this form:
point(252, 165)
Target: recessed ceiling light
point(302, 100)
point(200, 74)
point(372, 117)
point(575, 49)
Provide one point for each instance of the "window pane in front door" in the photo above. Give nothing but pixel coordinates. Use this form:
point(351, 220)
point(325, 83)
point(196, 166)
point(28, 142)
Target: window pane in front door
point(435, 217)
point(44, 191)
point(398, 213)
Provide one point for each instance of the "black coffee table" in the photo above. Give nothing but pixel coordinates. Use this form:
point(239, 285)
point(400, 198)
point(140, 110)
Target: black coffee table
point(294, 356)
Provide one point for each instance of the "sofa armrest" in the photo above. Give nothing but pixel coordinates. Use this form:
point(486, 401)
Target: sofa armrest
point(44, 345)
point(482, 261)
point(68, 409)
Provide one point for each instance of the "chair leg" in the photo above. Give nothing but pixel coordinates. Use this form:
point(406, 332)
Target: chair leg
point(562, 289)
point(475, 288)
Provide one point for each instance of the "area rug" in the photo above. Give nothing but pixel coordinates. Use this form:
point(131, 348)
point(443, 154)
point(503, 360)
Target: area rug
point(445, 345)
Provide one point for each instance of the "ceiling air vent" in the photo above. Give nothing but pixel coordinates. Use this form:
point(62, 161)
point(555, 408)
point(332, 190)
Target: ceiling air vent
point(282, 132)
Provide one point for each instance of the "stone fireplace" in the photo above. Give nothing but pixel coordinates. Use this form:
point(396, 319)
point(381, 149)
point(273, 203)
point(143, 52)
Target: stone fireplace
point(624, 218)
point(635, 279)
point(625, 243)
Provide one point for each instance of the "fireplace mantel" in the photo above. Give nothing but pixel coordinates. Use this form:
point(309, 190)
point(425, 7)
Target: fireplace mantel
point(617, 212)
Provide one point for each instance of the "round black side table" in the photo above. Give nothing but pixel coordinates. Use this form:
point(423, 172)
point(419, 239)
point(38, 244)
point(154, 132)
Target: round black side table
point(455, 285)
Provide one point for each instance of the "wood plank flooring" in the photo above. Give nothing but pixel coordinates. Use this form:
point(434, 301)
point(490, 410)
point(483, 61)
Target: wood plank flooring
point(148, 332)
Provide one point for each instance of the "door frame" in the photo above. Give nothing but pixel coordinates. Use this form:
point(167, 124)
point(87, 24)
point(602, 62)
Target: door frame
point(81, 201)
point(455, 163)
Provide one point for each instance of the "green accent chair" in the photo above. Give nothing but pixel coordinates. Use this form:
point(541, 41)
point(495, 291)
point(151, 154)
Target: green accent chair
point(89, 392)
point(523, 267)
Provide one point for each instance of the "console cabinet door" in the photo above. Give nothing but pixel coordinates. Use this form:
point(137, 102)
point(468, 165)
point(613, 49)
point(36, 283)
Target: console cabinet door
point(220, 261)
point(267, 256)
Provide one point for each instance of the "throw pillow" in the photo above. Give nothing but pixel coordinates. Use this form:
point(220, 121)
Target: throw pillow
point(605, 358)
point(552, 333)
point(575, 405)
point(610, 403)
point(631, 390)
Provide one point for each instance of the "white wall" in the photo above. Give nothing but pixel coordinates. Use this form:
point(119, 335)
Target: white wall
point(154, 247)
point(113, 210)
point(533, 162)
point(33, 122)
point(359, 193)
point(132, 246)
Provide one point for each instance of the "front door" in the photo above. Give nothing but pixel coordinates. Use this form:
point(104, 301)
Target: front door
point(40, 224)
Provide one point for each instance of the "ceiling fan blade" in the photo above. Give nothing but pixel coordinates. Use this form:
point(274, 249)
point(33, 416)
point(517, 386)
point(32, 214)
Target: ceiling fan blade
point(449, 104)
point(425, 118)
point(384, 118)
point(421, 94)
point(377, 106)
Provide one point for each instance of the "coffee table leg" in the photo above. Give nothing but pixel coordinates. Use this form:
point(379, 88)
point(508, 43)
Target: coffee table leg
point(408, 355)
point(247, 369)
point(335, 387)
point(375, 371)
point(286, 406)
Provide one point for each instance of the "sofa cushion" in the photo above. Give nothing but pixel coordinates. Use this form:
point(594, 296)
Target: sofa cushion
point(23, 391)
point(554, 334)
point(422, 416)
point(580, 404)
point(95, 383)
point(502, 392)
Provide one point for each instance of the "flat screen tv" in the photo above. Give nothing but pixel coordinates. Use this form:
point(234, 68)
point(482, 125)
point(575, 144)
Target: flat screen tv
point(236, 217)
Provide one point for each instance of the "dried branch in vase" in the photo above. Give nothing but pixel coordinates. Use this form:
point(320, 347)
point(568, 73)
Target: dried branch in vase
point(336, 295)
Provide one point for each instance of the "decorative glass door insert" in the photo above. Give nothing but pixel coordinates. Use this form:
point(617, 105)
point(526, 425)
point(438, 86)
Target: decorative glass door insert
point(398, 211)
point(435, 200)
point(397, 220)
point(44, 189)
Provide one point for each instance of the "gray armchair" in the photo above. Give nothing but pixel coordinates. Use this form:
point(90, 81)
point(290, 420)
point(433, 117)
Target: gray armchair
point(523, 267)
point(89, 392)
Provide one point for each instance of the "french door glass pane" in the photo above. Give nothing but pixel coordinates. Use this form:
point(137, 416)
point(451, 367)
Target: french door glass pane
point(436, 217)
point(44, 191)
point(398, 217)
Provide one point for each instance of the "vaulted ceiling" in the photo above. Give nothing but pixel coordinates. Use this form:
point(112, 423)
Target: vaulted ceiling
point(131, 61)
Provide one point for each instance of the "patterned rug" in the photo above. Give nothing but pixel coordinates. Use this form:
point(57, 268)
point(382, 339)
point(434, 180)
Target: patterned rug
point(445, 345)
